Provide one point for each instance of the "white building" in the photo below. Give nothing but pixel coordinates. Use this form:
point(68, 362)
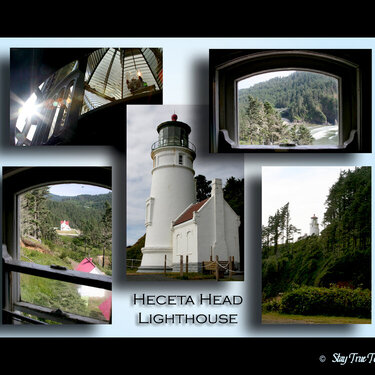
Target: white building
point(64, 225)
point(87, 265)
point(175, 223)
point(206, 229)
point(314, 226)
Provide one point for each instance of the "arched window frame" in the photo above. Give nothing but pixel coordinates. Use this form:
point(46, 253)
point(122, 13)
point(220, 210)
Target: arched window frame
point(227, 67)
point(17, 181)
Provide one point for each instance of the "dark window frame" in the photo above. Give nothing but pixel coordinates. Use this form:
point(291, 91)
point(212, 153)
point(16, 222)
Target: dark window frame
point(16, 181)
point(352, 68)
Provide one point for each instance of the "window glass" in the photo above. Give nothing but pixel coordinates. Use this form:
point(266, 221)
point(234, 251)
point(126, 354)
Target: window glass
point(58, 295)
point(288, 108)
point(184, 138)
point(69, 226)
point(31, 132)
point(67, 103)
point(56, 105)
point(26, 112)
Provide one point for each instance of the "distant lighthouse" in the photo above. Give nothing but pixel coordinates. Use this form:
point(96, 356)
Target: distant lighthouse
point(314, 226)
point(172, 190)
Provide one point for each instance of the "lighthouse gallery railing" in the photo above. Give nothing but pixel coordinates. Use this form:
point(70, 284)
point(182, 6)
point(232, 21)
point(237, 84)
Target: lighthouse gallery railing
point(173, 142)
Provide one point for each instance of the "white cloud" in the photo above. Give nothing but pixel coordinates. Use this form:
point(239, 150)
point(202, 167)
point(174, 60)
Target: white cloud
point(251, 81)
point(305, 188)
point(76, 189)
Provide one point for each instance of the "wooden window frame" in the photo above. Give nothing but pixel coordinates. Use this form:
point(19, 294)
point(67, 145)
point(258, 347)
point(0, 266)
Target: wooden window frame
point(227, 67)
point(12, 266)
point(15, 182)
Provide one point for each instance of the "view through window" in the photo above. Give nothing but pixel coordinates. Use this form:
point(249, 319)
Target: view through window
point(288, 108)
point(67, 226)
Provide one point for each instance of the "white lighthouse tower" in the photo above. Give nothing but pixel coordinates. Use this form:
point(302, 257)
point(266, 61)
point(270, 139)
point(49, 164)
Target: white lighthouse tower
point(172, 190)
point(314, 226)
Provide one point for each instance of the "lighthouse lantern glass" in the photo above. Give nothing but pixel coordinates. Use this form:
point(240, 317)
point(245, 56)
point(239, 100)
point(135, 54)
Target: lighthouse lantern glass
point(173, 136)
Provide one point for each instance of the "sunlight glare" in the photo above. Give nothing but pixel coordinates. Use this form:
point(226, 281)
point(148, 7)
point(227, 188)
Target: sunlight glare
point(27, 111)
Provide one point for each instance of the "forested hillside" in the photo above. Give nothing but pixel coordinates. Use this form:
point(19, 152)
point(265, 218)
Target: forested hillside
point(42, 212)
point(304, 96)
point(78, 210)
point(300, 98)
point(40, 243)
point(340, 255)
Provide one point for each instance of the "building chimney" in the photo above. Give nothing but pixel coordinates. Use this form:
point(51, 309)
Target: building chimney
point(216, 187)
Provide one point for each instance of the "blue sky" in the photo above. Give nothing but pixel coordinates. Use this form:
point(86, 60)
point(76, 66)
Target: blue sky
point(142, 121)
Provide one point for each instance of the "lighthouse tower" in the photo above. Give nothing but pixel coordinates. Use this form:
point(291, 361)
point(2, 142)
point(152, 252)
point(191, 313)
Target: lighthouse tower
point(172, 190)
point(314, 226)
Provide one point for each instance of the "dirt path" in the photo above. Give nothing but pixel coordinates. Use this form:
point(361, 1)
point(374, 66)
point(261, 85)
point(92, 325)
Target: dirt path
point(274, 318)
point(267, 320)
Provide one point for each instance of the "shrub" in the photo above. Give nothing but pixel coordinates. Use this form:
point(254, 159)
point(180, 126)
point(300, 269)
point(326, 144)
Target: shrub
point(272, 305)
point(327, 301)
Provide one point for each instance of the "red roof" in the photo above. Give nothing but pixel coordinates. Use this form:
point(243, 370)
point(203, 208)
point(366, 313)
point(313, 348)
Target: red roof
point(105, 307)
point(86, 265)
point(188, 213)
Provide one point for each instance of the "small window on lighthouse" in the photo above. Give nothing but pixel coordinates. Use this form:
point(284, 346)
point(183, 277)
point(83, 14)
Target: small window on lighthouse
point(180, 159)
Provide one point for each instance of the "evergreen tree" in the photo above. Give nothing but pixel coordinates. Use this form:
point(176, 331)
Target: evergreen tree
point(303, 136)
point(35, 214)
point(234, 194)
point(203, 188)
point(309, 96)
point(261, 124)
point(287, 226)
point(106, 224)
point(341, 254)
point(348, 211)
point(253, 125)
point(280, 229)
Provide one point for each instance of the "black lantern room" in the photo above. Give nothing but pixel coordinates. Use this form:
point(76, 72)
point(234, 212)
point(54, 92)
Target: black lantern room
point(174, 133)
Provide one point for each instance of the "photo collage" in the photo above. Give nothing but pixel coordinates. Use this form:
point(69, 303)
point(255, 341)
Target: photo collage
point(188, 188)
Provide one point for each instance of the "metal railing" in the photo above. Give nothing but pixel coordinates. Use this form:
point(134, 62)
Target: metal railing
point(173, 142)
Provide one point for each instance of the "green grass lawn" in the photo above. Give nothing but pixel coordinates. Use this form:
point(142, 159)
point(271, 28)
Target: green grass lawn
point(278, 318)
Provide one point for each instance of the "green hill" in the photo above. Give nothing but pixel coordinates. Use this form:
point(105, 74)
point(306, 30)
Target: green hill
point(301, 96)
point(134, 251)
point(340, 255)
point(78, 210)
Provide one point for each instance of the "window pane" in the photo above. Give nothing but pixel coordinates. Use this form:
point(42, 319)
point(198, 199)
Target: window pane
point(288, 107)
point(30, 134)
point(70, 226)
point(67, 297)
point(26, 112)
